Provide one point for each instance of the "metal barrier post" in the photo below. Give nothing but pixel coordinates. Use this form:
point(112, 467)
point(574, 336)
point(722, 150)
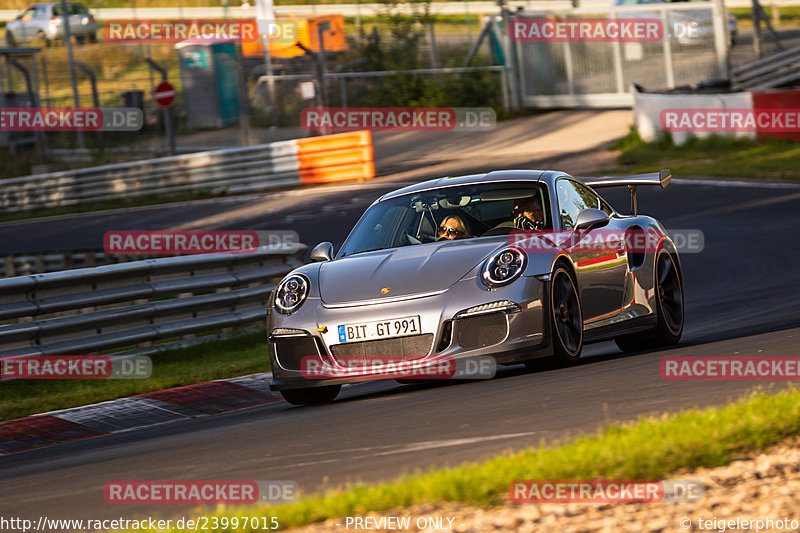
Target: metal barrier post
point(95, 99)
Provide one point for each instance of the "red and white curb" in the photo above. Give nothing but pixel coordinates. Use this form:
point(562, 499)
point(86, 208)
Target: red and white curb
point(144, 410)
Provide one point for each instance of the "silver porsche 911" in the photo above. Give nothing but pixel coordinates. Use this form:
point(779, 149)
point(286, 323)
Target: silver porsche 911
point(515, 265)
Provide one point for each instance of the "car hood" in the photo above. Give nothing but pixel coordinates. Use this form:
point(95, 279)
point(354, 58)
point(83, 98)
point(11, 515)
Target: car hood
point(407, 270)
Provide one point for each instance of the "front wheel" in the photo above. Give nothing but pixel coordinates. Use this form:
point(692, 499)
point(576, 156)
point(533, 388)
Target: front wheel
point(669, 308)
point(566, 318)
point(311, 396)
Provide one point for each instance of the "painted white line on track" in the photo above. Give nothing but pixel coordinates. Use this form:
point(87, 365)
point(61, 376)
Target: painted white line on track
point(447, 443)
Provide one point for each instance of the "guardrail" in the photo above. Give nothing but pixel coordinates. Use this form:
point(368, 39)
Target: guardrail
point(774, 71)
point(132, 305)
point(21, 264)
point(341, 156)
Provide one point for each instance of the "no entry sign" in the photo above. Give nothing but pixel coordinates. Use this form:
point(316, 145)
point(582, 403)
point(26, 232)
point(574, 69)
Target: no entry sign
point(165, 94)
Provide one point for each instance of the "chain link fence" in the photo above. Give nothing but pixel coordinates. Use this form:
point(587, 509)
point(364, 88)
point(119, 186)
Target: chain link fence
point(584, 72)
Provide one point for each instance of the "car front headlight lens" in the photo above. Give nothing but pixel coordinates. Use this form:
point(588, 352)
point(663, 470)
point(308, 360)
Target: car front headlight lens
point(504, 267)
point(291, 293)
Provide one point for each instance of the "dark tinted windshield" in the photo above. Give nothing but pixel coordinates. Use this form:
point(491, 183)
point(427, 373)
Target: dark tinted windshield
point(464, 212)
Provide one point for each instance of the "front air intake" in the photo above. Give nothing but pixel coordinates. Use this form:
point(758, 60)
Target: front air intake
point(411, 346)
point(482, 330)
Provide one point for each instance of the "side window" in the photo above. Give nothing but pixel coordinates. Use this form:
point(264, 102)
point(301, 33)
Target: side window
point(572, 199)
point(605, 207)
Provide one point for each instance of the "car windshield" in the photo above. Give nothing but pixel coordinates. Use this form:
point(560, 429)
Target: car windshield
point(459, 212)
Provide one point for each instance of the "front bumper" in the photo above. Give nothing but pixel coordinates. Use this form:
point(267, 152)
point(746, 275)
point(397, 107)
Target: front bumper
point(508, 335)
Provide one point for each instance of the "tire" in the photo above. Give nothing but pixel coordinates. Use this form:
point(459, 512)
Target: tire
point(44, 40)
point(10, 41)
point(311, 396)
point(566, 318)
point(93, 38)
point(669, 308)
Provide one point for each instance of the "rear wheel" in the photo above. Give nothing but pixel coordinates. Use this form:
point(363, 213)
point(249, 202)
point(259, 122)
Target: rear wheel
point(93, 37)
point(669, 308)
point(311, 396)
point(566, 318)
point(44, 40)
point(10, 41)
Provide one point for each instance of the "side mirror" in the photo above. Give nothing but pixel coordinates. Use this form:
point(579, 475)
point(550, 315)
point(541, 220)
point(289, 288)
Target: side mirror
point(322, 252)
point(590, 218)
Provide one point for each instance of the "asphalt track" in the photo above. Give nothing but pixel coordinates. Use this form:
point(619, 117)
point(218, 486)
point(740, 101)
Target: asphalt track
point(741, 298)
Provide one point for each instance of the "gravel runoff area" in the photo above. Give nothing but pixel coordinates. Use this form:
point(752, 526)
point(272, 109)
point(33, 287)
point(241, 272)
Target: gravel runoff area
point(764, 486)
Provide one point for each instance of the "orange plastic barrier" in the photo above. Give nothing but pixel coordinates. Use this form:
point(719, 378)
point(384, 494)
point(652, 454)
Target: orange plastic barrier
point(337, 157)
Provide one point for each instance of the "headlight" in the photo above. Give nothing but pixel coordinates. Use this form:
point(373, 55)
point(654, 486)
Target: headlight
point(291, 293)
point(504, 267)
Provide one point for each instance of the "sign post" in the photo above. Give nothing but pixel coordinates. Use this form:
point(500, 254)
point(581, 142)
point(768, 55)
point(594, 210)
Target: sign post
point(165, 95)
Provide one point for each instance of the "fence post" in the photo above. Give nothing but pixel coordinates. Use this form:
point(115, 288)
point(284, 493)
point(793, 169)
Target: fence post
point(667, 46)
point(11, 271)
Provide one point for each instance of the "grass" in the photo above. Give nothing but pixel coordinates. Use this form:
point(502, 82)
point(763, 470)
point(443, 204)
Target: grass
point(715, 155)
point(245, 354)
point(788, 16)
point(651, 448)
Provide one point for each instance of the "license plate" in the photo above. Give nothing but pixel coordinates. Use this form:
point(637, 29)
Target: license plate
point(380, 329)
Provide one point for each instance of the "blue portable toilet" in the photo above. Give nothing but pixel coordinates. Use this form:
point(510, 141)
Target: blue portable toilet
point(210, 80)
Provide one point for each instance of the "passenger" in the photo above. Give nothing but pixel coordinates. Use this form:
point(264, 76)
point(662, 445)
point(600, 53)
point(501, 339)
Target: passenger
point(453, 227)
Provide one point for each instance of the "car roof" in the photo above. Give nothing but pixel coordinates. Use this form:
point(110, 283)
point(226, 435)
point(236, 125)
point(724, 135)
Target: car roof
point(497, 176)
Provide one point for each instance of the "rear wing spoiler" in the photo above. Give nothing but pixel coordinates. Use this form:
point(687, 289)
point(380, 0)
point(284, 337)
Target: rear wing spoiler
point(661, 178)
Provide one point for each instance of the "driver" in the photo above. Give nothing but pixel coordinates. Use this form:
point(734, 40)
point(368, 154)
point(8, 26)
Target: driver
point(453, 227)
point(528, 214)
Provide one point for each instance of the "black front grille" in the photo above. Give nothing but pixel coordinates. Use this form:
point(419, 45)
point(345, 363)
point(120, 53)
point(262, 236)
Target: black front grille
point(413, 346)
point(482, 330)
point(289, 351)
